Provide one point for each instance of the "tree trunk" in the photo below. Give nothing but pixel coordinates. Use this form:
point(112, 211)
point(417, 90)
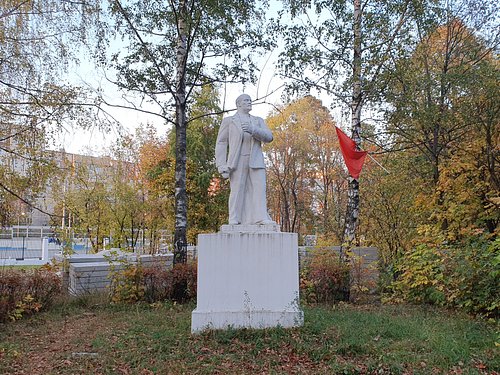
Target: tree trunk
point(352, 214)
point(180, 243)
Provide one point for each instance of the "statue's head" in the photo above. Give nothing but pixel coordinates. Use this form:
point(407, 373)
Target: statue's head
point(244, 102)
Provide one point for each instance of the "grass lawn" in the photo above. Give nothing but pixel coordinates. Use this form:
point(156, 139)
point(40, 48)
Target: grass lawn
point(86, 337)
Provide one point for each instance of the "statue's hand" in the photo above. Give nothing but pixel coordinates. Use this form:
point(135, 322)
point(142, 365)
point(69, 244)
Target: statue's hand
point(249, 128)
point(224, 172)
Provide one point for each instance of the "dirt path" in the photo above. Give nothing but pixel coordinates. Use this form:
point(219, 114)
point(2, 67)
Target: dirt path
point(50, 348)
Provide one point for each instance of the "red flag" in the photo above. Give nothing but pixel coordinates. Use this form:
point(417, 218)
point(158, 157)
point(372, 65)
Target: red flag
point(353, 158)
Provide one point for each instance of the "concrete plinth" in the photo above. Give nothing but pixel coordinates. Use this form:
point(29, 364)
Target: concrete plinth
point(247, 277)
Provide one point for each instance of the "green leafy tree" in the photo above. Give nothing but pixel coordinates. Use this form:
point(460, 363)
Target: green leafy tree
point(87, 201)
point(390, 217)
point(127, 196)
point(175, 47)
point(207, 193)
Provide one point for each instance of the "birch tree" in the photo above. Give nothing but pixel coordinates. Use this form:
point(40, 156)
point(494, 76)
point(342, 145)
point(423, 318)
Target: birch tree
point(344, 48)
point(174, 47)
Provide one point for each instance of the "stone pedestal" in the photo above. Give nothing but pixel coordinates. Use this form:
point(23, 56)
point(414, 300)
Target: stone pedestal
point(248, 276)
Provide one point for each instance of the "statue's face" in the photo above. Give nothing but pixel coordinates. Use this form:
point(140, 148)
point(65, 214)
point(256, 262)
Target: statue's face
point(245, 103)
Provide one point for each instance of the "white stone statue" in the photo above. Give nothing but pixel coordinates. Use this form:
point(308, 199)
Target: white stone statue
point(244, 164)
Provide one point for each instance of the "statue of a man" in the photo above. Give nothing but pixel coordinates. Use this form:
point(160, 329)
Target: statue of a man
point(244, 165)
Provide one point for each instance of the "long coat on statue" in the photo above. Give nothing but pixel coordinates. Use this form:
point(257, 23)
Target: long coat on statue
point(247, 201)
point(231, 134)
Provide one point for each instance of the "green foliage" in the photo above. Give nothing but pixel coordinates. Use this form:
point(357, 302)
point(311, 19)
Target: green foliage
point(26, 306)
point(233, 29)
point(472, 279)
point(463, 275)
point(324, 277)
point(104, 197)
point(87, 199)
point(126, 283)
point(389, 216)
point(24, 292)
point(319, 40)
point(421, 279)
point(207, 192)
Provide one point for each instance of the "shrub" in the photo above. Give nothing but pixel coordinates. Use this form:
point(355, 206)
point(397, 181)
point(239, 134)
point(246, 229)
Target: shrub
point(184, 278)
point(26, 292)
point(324, 278)
point(151, 284)
point(156, 283)
point(161, 283)
point(471, 279)
point(127, 283)
point(421, 276)
point(463, 275)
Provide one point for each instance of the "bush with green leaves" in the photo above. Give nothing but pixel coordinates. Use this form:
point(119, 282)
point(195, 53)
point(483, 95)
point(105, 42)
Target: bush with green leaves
point(463, 275)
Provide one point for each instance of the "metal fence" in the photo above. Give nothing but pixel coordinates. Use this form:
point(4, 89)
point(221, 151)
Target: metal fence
point(21, 248)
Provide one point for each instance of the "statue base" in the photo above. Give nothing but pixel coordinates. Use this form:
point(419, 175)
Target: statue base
point(248, 277)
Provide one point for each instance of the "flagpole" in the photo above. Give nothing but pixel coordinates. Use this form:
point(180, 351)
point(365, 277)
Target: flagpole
point(376, 162)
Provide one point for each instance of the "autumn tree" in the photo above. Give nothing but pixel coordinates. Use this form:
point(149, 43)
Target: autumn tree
point(344, 48)
point(441, 99)
point(127, 195)
point(442, 125)
point(177, 46)
point(102, 197)
point(390, 218)
point(430, 87)
point(305, 172)
point(83, 194)
point(156, 166)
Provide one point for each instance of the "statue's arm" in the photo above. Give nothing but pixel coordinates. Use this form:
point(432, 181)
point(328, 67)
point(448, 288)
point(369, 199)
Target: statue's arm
point(262, 132)
point(221, 144)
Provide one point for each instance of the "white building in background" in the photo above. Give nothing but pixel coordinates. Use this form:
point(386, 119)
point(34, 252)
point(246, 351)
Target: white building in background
point(29, 224)
point(29, 220)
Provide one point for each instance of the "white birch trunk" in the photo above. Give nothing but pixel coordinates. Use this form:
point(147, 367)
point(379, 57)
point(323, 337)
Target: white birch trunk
point(352, 214)
point(180, 242)
point(356, 104)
